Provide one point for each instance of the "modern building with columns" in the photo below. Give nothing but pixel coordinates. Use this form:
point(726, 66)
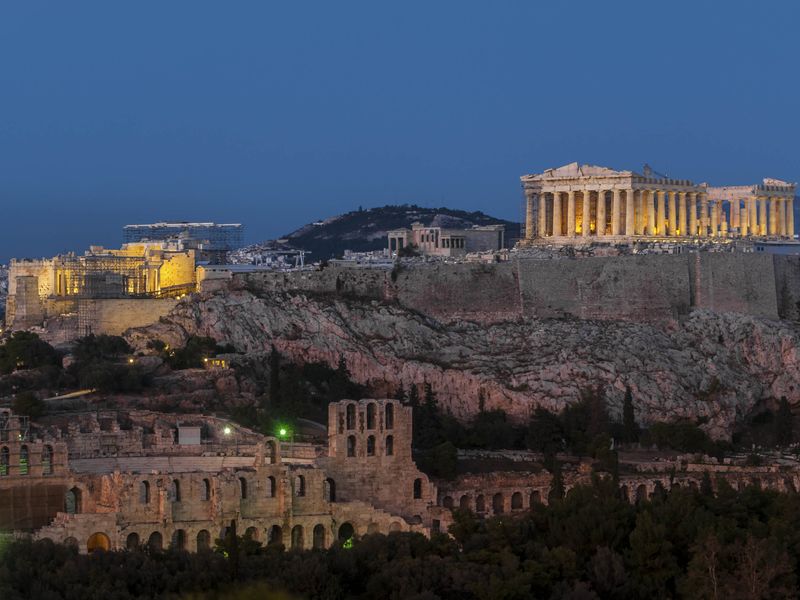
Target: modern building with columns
point(576, 203)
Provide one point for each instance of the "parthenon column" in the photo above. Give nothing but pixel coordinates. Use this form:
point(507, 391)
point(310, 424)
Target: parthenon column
point(629, 196)
point(529, 232)
point(662, 218)
point(773, 215)
point(651, 213)
point(703, 214)
point(641, 211)
point(782, 216)
point(754, 226)
point(587, 214)
point(714, 220)
point(601, 213)
point(744, 219)
point(692, 200)
point(790, 217)
point(571, 213)
point(734, 210)
point(615, 213)
point(762, 215)
point(681, 214)
point(673, 214)
point(557, 214)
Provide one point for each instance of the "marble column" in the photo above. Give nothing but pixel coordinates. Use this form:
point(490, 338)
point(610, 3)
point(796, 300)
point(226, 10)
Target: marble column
point(542, 214)
point(782, 216)
point(662, 218)
point(601, 213)
point(673, 215)
point(773, 216)
point(629, 198)
point(762, 215)
point(714, 220)
point(790, 217)
point(744, 219)
point(733, 206)
point(703, 214)
point(529, 228)
point(557, 214)
point(681, 230)
point(587, 213)
point(754, 225)
point(615, 213)
point(692, 201)
point(571, 213)
point(651, 213)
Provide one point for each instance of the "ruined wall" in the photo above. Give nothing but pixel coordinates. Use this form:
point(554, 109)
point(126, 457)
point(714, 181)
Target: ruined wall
point(113, 317)
point(787, 286)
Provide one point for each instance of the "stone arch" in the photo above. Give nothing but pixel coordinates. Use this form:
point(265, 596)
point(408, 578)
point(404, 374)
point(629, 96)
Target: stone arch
point(516, 501)
point(371, 415)
point(447, 502)
point(155, 541)
point(297, 537)
point(272, 453)
point(319, 537)
point(205, 490)
point(275, 535)
point(144, 492)
point(300, 486)
point(351, 446)
point(417, 489)
point(47, 460)
point(132, 541)
point(350, 416)
point(251, 533)
point(73, 501)
point(465, 503)
point(243, 488)
point(346, 531)
point(5, 458)
point(203, 540)
point(623, 493)
point(534, 498)
point(371, 445)
point(271, 487)
point(788, 485)
point(395, 527)
point(98, 541)
point(178, 540)
point(389, 445)
point(71, 542)
point(388, 414)
point(175, 491)
point(480, 503)
point(24, 460)
point(373, 528)
point(641, 493)
point(497, 503)
point(329, 490)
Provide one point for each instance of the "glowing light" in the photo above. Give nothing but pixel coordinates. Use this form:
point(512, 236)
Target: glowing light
point(282, 432)
point(130, 361)
point(348, 543)
point(227, 430)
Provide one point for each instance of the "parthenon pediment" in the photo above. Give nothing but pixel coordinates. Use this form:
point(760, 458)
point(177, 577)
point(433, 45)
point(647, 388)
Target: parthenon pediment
point(576, 170)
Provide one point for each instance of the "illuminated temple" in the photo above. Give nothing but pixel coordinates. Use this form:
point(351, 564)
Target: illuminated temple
point(580, 203)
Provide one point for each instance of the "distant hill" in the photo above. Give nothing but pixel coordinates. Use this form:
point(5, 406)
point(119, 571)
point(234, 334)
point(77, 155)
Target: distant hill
point(364, 230)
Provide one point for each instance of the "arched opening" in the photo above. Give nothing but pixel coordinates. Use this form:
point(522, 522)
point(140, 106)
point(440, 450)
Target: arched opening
point(497, 503)
point(270, 487)
point(371, 415)
point(71, 542)
point(535, 498)
point(395, 527)
point(4, 460)
point(47, 460)
point(179, 540)
point(346, 533)
point(319, 537)
point(144, 492)
point(351, 416)
point(251, 533)
point(389, 445)
point(242, 488)
point(623, 493)
point(205, 490)
point(389, 415)
point(480, 504)
point(788, 486)
point(464, 503)
point(98, 541)
point(300, 486)
point(516, 501)
point(329, 490)
point(24, 460)
point(351, 445)
point(155, 542)
point(272, 453)
point(447, 502)
point(203, 540)
point(176, 490)
point(297, 537)
point(132, 541)
point(72, 501)
point(417, 489)
point(373, 528)
point(641, 493)
point(275, 535)
point(371, 445)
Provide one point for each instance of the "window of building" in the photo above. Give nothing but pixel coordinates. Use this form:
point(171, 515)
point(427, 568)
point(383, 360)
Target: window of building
point(297, 537)
point(371, 445)
point(389, 415)
point(144, 492)
point(176, 490)
point(371, 415)
point(389, 445)
point(417, 489)
point(47, 460)
point(203, 540)
point(300, 486)
point(270, 487)
point(351, 416)
point(205, 490)
point(329, 490)
point(24, 460)
point(243, 488)
point(4, 460)
point(351, 445)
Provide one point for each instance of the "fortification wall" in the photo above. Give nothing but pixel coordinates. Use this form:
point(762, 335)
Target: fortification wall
point(113, 317)
point(636, 288)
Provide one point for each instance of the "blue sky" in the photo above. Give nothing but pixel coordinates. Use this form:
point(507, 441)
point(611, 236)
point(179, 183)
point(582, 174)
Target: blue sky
point(277, 114)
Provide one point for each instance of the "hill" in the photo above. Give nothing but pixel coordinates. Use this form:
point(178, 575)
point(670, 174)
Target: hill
point(364, 230)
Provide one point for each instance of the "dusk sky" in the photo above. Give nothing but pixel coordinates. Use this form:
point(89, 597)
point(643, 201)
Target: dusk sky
point(277, 114)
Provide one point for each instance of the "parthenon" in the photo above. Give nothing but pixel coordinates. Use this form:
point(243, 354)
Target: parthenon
point(576, 202)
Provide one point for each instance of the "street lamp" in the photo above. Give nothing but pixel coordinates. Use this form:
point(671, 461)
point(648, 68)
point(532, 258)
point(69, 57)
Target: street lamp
point(283, 431)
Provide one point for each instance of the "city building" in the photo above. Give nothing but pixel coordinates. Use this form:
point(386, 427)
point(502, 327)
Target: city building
point(439, 241)
point(578, 203)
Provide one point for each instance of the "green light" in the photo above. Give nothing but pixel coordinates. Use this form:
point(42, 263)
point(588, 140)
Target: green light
point(348, 544)
point(282, 431)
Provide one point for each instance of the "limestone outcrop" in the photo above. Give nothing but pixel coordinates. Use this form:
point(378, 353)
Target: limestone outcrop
point(710, 366)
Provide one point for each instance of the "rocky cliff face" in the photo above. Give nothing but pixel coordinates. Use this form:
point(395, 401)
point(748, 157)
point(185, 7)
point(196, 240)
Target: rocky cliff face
point(716, 366)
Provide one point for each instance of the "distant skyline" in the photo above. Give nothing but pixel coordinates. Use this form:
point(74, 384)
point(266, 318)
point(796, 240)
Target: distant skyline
point(276, 115)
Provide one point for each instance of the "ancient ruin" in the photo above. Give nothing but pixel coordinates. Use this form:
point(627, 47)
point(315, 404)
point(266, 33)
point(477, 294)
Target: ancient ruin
point(446, 242)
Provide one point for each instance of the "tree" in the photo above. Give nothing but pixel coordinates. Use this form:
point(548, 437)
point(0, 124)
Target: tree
point(400, 394)
point(545, 433)
point(28, 403)
point(24, 350)
point(413, 396)
point(598, 414)
point(653, 566)
point(557, 482)
point(706, 487)
point(630, 430)
point(783, 423)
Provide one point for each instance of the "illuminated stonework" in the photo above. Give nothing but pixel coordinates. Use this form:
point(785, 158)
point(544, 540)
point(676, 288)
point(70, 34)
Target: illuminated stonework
point(577, 203)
